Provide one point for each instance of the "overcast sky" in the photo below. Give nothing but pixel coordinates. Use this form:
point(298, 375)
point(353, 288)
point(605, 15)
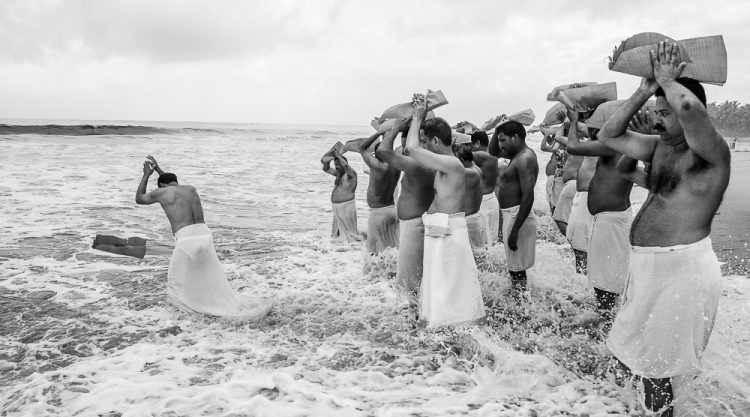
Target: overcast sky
point(329, 61)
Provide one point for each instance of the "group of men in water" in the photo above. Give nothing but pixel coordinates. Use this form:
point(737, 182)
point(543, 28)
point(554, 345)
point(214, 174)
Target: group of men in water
point(453, 190)
point(660, 263)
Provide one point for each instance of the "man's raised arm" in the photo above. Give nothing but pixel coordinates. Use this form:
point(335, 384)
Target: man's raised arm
point(348, 168)
point(614, 133)
point(155, 164)
point(700, 134)
point(431, 160)
point(590, 148)
point(628, 169)
point(393, 158)
point(141, 197)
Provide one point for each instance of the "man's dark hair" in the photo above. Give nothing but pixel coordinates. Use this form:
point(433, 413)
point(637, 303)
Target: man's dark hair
point(438, 127)
point(463, 153)
point(513, 128)
point(166, 178)
point(480, 136)
point(693, 85)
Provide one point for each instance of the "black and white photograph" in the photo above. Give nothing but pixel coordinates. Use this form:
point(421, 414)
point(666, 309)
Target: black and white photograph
point(359, 208)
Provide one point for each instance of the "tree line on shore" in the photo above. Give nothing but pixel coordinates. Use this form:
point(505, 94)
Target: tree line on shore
point(731, 118)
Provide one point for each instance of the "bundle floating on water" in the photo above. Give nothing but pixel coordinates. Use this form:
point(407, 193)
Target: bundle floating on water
point(706, 57)
point(435, 99)
point(587, 97)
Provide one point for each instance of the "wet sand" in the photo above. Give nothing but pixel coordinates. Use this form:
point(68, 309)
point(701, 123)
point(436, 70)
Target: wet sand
point(730, 231)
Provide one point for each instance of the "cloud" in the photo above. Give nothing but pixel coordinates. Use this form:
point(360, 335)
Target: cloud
point(329, 61)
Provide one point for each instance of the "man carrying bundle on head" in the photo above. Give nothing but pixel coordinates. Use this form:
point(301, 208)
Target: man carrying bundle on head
point(516, 197)
point(673, 287)
point(342, 197)
point(554, 167)
point(416, 195)
point(488, 164)
point(196, 281)
point(476, 223)
point(450, 293)
point(382, 222)
point(609, 203)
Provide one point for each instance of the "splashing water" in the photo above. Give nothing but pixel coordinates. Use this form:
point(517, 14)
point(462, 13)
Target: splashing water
point(89, 333)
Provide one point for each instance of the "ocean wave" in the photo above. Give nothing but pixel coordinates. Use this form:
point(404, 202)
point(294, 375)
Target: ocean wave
point(80, 130)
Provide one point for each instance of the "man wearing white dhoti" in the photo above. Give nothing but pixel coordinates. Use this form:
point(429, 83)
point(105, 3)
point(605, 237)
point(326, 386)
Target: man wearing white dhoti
point(608, 202)
point(673, 287)
point(490, 208)
point(516, 198)
point(196, 281)
point(344, 224)
point(450, 292)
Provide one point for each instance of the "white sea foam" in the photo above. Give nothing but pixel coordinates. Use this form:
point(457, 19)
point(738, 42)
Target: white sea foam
point(89, 333)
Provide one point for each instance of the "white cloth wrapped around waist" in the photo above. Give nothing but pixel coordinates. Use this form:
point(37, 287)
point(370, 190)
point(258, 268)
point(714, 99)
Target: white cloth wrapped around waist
point(196, 281)
point(476, 225)
point(668, 310)
point(382, 229)
point(450, 292)
point(609, 250)
point(345, 221)
point(524, 256)
point(579, 222)
point(490, 209)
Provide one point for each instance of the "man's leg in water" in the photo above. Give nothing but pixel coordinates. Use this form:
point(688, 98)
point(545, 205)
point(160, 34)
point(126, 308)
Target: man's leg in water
point(518, 281)
point(659, 395)
point(581, 261)
point(605, 303)
point(562, 226)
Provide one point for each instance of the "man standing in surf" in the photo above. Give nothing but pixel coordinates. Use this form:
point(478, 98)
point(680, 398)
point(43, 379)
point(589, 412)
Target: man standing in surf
point(415, 198)
point(450, 294)
point(516, 198)
point(673, 287)
point(196, 281)
point(490, 208)
point(382, 222)
point(344, 224)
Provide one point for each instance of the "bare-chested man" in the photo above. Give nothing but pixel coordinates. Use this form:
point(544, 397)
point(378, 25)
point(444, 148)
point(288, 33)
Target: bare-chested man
point(416, 195)
point(578, 226)
point(382, 222)
point(516, 197)
point(490, 208)
point(550, 145)
point(196, 281)
point(569, 173)
point(673, 287)
point(476, 223)
point(450, 288)
point(609, 203)
point(342, 197)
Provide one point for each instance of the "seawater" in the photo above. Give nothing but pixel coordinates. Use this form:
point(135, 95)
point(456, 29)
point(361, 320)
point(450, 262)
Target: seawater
point(85, 333)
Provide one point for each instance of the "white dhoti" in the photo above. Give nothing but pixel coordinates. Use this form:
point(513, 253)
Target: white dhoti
point(579, 222)
point(382, 229)
point(476, 224)
point(410, 256)
point(490, 209)
point(345, 221)
point(565, 202)
point(522, 258)
point(557, 187)
point(450, 292)
point(668, 311)
point(548, 190)
point(609, 250)
point(196, 281)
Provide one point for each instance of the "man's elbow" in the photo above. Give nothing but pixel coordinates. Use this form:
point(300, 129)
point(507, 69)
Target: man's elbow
point(139, 200)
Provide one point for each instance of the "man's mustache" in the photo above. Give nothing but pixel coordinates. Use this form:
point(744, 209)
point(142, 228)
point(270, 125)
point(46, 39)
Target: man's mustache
point(659, 128)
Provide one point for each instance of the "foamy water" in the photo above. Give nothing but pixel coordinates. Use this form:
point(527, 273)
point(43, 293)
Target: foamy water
point(89, 333)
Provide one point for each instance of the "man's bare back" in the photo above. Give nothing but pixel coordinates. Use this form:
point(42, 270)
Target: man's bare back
point(181, 203)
